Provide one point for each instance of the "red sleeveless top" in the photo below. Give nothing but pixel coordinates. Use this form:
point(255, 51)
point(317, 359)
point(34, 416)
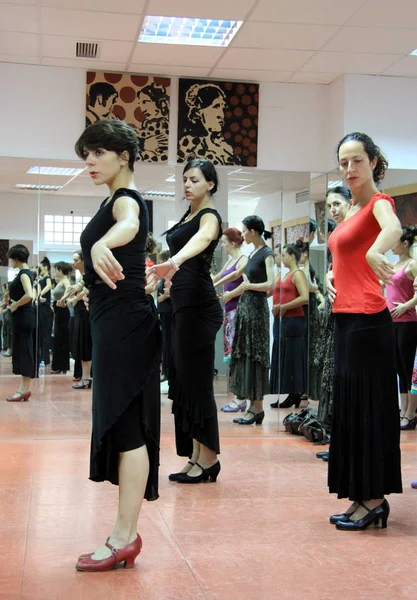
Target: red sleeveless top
point(358, 288)
point(289, 293)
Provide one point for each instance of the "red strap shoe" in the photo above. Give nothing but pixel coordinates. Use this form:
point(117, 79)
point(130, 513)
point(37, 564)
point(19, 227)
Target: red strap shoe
point(21, 398)
point(126, 555)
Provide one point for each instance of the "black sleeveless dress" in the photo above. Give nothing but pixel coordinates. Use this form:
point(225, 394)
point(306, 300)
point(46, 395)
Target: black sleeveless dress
point(126, 353)
point(197, 317)
point(23, 328)
point(46, 320)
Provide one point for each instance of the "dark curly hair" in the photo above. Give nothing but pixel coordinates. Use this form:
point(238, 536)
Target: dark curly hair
point(371, 149)
point(158, 94)
point(340, 190)
point(293, 250)
point(109, 134)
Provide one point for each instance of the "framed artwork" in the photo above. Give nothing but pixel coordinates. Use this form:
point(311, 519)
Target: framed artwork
point(4, 248)
point(276, 230)
point(406, 206)
point(298, 229)
point(142, 101)
point(218, 120)
point(320, 208)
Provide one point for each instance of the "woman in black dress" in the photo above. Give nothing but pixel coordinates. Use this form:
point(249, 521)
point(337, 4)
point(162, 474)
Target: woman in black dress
point(165, 314)
point(61, 345)
point(126, 340)
point(23, 321)
point(250, 362)
point(197, 317)
point(45, 314)
point(82, 342)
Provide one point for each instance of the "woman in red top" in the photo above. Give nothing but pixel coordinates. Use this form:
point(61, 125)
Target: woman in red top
point(293, 295)
point(364, 462)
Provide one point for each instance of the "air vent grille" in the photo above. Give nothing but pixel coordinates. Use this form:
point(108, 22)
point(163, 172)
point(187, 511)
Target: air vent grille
point(87, 49)
point(303, 196)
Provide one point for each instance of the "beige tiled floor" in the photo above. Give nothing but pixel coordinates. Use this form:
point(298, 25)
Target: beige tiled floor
point(260, 533)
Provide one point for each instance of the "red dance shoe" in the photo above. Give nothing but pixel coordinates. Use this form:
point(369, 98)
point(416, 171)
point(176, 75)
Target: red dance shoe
point(21, 398)
point(118, 556)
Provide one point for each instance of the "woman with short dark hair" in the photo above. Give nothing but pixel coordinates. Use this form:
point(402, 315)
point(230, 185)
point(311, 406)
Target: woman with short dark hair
point(23, 321)
point(45, 313)
point(126, 340)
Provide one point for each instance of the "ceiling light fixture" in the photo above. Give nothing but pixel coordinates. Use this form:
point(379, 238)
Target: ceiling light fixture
point(414, 52)
point(54, 171)
point(171, 179)
point(158, 193)
point(187, 31)
point(333, 184)
point(35, 186)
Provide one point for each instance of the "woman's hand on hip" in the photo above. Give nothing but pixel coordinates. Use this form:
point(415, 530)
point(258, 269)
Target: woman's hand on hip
point(398, 311)
point(380, 265)
point(331, 290)
point(105, 265)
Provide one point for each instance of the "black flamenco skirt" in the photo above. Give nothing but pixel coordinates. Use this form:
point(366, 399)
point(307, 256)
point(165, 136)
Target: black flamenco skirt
point(250, 361)
point(365, 460)
point(82, 342)
point(23, 329)
point(126, 392)
point(275, 358)
point(61, 344)
point(293, 379)
point(194, 330)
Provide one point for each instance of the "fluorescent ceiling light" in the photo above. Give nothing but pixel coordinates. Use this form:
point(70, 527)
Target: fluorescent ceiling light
point(54, 171)
point(192, 32)
point(171, 179)
point(333, 184)
point(158, 193)
point(35, 186)
point(414, 52)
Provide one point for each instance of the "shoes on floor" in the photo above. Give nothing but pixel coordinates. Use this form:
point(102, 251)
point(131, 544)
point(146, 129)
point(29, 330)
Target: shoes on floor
point(21, 398)
point(174, 476)
point(291, 400)
point(125, 556)
point(206, 475)
point(257, 418)
point(377, 517)
point(412, 424)
point(234, 406)
point(414, 485)
point(84, 384)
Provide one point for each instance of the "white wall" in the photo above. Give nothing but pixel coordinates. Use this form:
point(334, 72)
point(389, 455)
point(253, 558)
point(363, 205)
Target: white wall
point(42, 114)
point(385, 109)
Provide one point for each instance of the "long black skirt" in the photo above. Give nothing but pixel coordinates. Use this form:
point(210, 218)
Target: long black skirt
point(365, 460)
point(82, 342)
point(126, 392)
point(275, 358)
point(250, 362)
point(61, 345)
point(167, 366)
point(194, 331)
point(23, 328)
point(293, 371)
point(406, 342)
point(45, 320)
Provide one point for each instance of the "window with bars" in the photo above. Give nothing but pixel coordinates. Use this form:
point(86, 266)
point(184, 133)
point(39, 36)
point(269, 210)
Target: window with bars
point(63, 230)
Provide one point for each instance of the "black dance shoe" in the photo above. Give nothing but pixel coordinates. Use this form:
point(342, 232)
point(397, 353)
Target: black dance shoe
point(209, 474)
point(291, 400)
point(174, 476)
point(274, 404)
point(378, 516)
point(257, 418)
point(84, 384)
point(322, 454)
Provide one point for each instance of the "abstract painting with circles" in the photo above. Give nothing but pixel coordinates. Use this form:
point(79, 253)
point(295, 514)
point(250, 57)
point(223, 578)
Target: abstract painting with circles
point(142, 101)
point(218, 120)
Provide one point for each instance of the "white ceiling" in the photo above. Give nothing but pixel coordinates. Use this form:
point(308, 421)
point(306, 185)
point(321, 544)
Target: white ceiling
point(300, 41)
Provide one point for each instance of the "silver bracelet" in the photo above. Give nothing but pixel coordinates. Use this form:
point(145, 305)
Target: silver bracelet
point(174, 264)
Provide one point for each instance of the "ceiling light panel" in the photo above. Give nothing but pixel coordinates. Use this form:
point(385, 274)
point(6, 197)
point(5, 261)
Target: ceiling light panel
point(187, 31)
point(34, 186)
point(54, 171)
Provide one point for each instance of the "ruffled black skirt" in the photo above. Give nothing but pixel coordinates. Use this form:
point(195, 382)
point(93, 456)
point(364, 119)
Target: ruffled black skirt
point(82, 342)
point(365, 461)
point(126, 392)
point(194, 330)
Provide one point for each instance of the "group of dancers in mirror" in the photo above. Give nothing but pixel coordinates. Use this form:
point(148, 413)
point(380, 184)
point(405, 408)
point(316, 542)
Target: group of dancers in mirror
point(366, 344)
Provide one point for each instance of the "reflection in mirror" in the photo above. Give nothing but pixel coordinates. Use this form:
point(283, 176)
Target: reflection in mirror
point(293, 296)
point(18, 260)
